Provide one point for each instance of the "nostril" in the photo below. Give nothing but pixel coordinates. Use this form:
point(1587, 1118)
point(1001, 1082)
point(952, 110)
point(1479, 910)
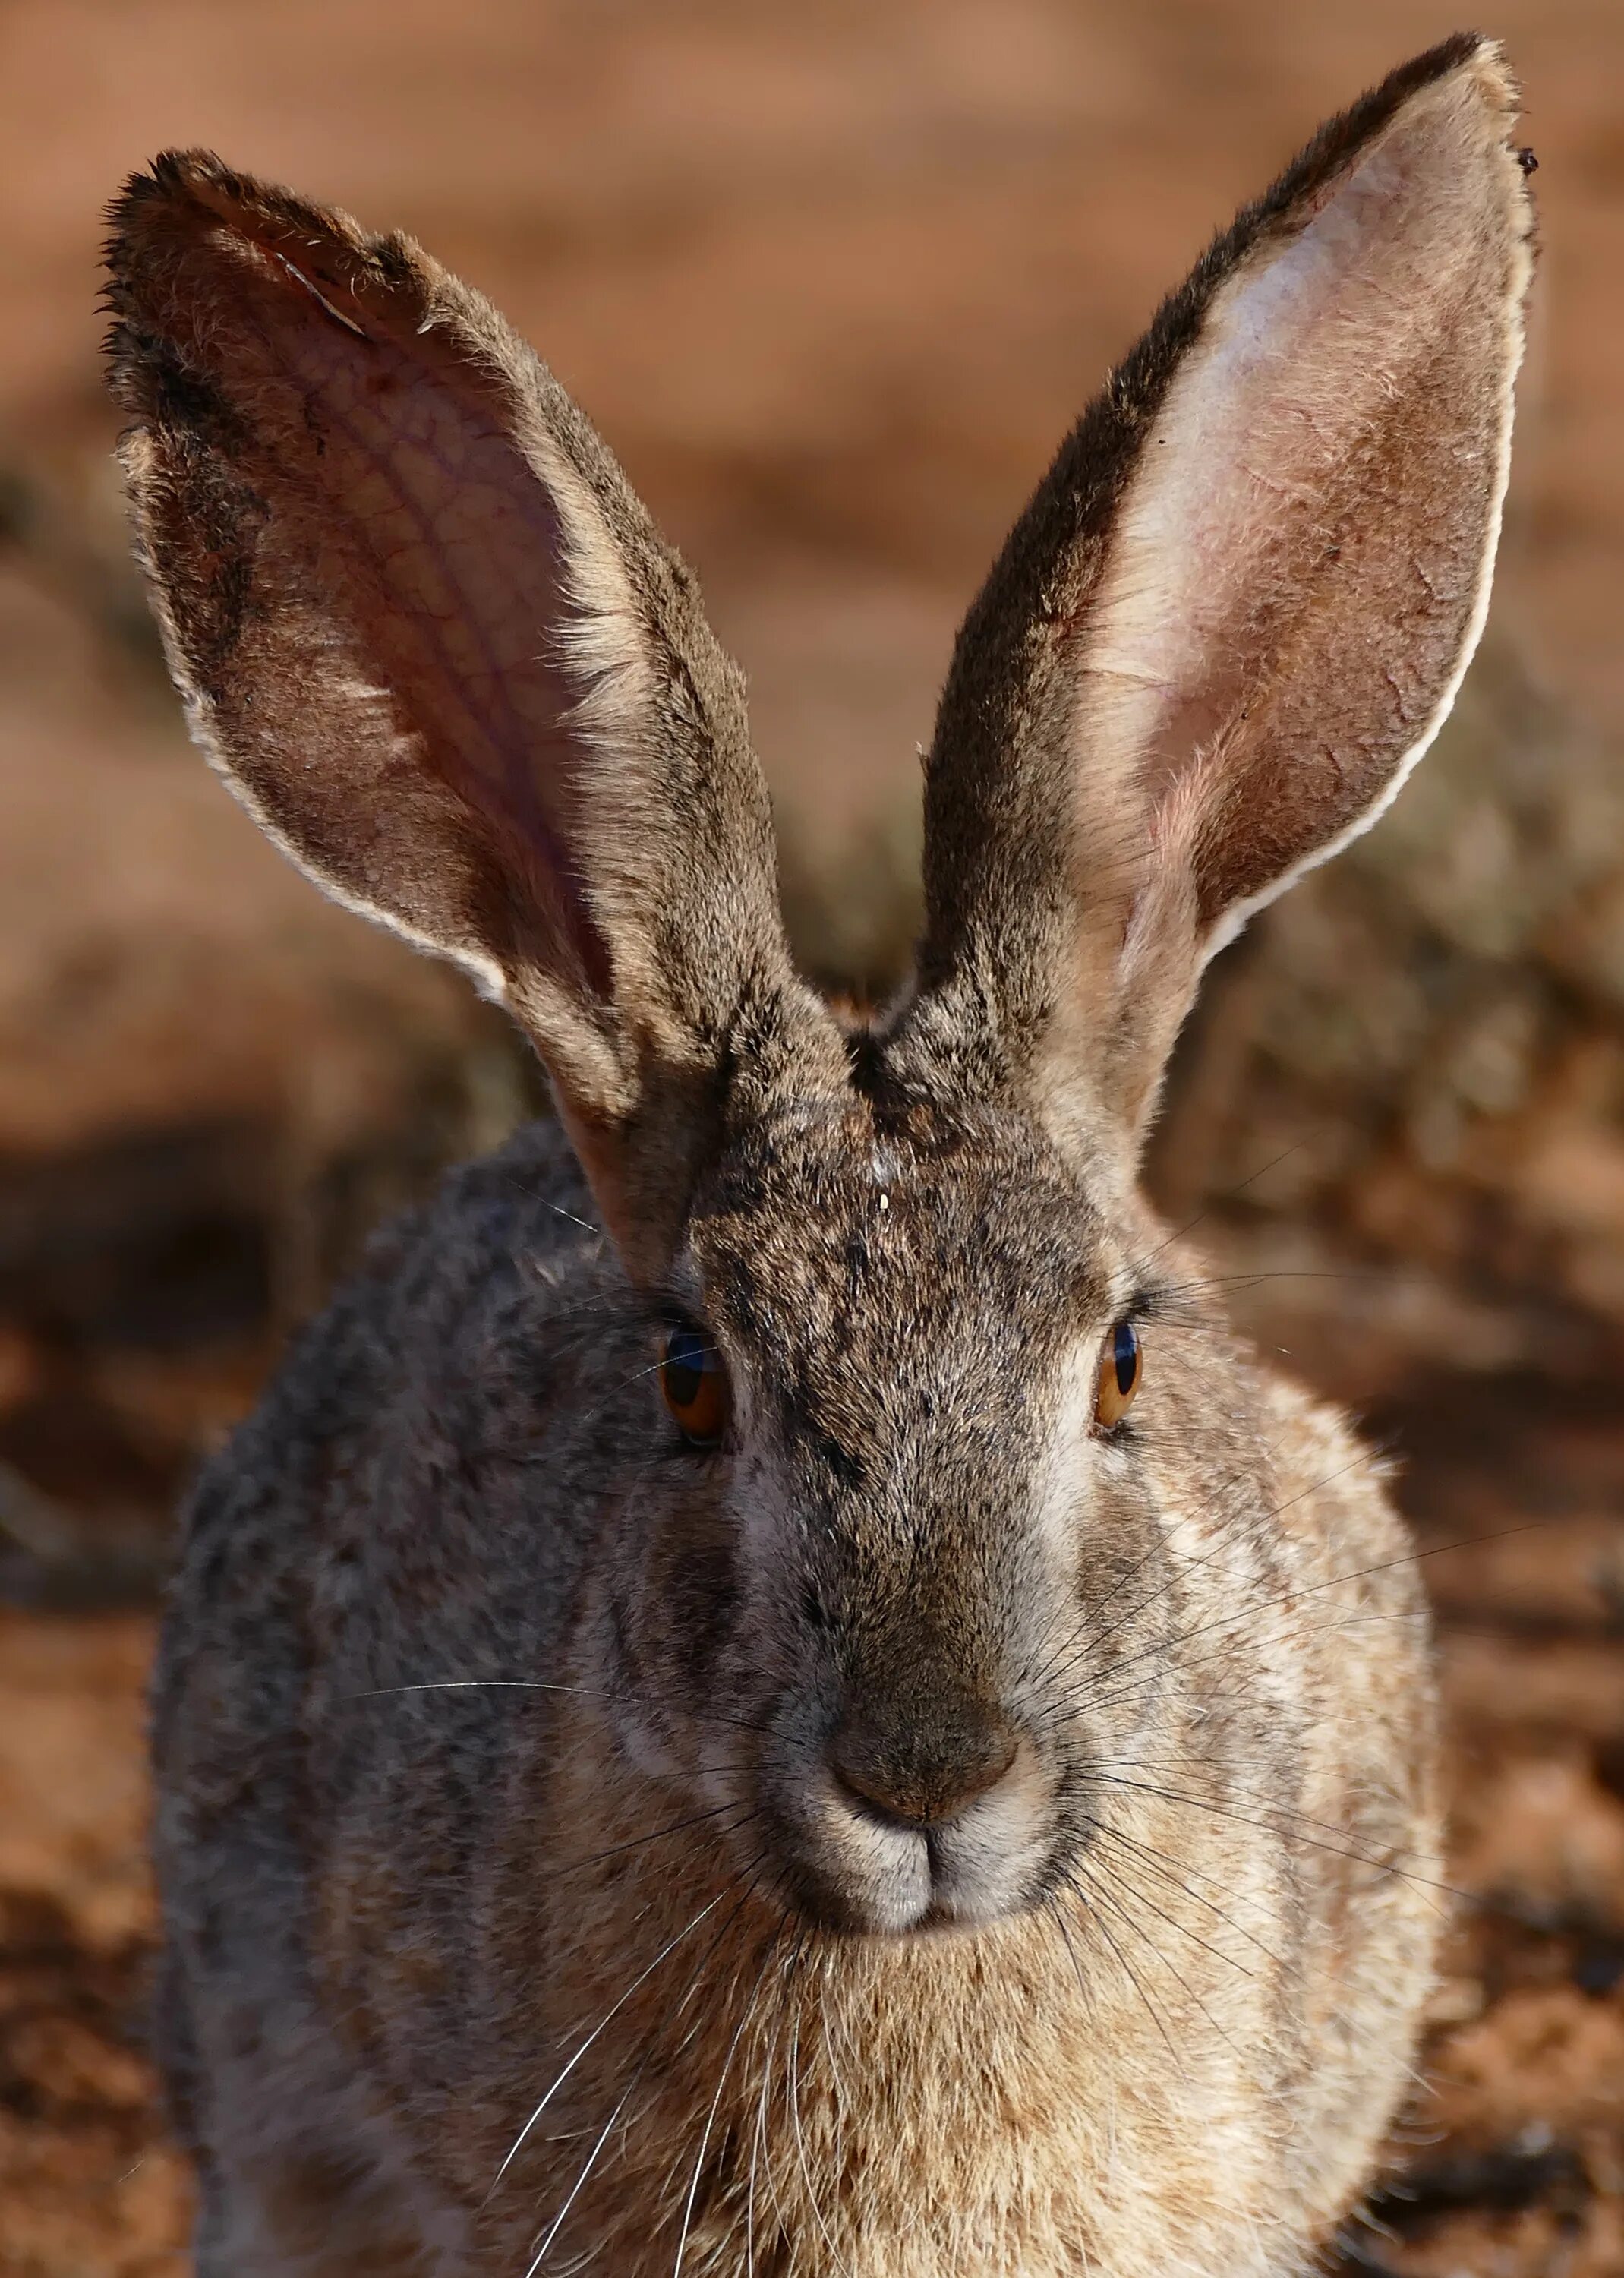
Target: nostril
point(877, 1796)
point(917, 1774)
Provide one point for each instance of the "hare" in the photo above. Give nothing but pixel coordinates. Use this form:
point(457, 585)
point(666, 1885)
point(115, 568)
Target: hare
point(770, 1692)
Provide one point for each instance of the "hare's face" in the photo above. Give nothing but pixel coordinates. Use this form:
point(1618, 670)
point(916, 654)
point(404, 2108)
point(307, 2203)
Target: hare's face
point(901, 1615)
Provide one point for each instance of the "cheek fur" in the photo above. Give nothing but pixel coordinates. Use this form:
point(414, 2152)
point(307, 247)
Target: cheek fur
point(670, 1614)
point(701, 1607)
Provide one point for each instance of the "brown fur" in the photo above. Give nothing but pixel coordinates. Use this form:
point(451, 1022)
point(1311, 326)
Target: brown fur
point(927, 1831)
point(1070, 754)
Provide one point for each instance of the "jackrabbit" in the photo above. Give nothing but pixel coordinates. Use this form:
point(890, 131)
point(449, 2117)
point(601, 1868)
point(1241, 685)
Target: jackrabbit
point(711, 1723)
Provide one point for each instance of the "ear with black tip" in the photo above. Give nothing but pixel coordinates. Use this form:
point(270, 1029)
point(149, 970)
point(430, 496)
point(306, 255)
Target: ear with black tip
point(432, 639)
point(1237, 610)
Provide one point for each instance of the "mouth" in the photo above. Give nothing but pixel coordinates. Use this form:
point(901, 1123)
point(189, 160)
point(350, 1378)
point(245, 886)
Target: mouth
point(845, 1868)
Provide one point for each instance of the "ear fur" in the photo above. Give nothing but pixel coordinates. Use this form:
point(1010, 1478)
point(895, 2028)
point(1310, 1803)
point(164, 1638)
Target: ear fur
point(1238, 608)
point(433, 641)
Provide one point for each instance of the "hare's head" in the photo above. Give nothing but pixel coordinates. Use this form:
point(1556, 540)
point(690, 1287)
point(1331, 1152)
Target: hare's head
point(902, 1544)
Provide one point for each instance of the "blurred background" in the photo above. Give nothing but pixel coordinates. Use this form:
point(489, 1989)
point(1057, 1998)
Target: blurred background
point(833, 280)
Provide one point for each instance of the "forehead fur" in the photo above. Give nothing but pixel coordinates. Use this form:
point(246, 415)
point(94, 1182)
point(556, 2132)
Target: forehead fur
point(874, 1264)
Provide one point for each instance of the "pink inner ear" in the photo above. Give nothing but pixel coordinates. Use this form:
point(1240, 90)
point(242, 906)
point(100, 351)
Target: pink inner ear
point(427, 631)
point(1303, 549)
point(1298, 358)
point(409, 524)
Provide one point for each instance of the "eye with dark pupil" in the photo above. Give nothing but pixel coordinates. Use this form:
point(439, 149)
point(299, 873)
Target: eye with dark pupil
point(1120, 1367)
point(695, 1385)
point(683, 1368)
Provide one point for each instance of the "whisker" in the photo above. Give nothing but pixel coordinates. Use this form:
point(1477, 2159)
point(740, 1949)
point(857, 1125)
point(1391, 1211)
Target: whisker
point(540, 1684)
point(1240, 1515)
point(1058, 1911)
point(709, 2117)
point(1156, 1865)
point(1092, 1616)
point(579, 2185)
point(677, 2004)
point(660, 1835)
point(1129, 1973)
point(838, 2099)
point(1408, 1557)
point(1228, 1195)
point(1121, 1880)
point(1355, 1463)
point(800, 2144)
point(786, 1984)
point(1113, 1899)
point(603, 2023)
point(1357, 1858)
point(614, 1391)
point(584, 1224)
point(1251, 1279)
point(1253, 1795)
point(756, 2134)
point(1079, 1703)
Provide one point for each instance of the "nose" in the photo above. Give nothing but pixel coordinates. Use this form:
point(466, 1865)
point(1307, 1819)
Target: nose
point(924, 1764)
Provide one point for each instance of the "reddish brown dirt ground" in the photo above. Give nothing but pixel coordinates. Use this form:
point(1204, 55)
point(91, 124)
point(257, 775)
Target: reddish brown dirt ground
point(833, 280)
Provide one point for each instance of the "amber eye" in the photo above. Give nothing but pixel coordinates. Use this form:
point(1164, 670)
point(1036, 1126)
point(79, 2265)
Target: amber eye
point(695, 1384)
point(1121, 1366)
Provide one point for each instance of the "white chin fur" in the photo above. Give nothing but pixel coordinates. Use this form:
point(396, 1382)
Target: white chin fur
point(983, 1863)
point(882, 1873)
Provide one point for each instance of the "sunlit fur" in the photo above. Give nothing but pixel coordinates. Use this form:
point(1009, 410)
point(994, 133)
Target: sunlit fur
point(1204, 1924)
point(925, 1833)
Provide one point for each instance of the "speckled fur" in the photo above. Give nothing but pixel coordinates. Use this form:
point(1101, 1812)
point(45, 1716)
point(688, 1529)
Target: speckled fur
point(517, 1919)
point(373, 1894)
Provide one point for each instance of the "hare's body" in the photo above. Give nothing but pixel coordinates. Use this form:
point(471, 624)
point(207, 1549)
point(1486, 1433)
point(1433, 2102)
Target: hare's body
point(772, 1693)
point(435, 1496)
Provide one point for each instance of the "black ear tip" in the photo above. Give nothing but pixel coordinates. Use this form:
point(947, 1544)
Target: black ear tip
point(150, 213)
point(161, 277)
point(126, 211)
point(1469, 55)
point(1448, 55)
point(172, 178)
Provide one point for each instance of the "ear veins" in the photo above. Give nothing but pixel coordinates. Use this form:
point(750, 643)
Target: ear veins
point(411, 581)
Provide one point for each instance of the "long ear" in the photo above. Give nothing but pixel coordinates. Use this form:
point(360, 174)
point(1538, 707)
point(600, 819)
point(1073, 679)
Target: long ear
point(1237, 610)
point(433, 641)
